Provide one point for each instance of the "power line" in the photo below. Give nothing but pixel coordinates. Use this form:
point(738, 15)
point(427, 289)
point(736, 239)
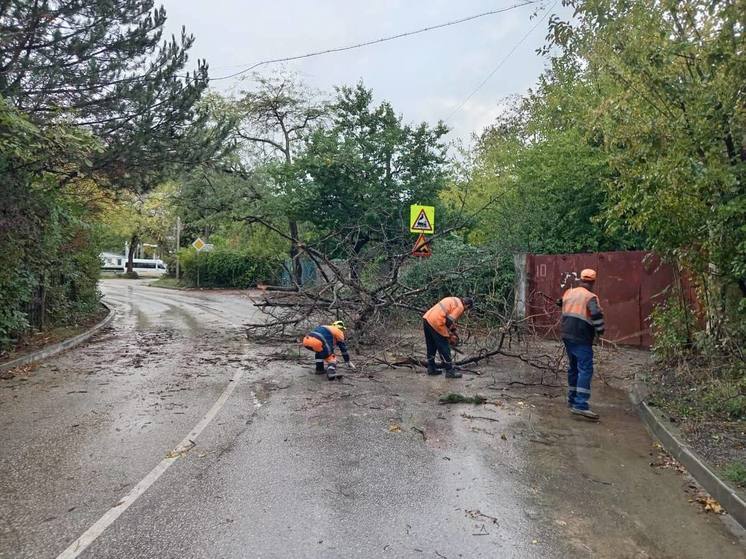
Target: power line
point(500, 64)
point(374, 41)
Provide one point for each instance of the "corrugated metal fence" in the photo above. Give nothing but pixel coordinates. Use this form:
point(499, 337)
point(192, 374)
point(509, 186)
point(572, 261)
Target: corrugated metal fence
point(629, 285)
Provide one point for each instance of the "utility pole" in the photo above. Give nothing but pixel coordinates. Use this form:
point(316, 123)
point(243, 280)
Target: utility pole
point(178, 244)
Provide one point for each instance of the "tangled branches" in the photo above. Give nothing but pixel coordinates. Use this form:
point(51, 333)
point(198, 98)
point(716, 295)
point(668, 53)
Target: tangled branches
point(381, 291)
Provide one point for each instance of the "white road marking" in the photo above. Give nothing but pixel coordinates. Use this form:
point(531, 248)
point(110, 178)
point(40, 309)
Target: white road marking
point(90, 535)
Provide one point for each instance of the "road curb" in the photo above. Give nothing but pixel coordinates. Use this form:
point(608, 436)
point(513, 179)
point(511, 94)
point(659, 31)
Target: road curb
point(673, 442)
point(59, 347)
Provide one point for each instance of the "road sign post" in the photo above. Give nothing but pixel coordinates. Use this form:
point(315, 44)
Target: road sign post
point(178, 244)
point(199, 246)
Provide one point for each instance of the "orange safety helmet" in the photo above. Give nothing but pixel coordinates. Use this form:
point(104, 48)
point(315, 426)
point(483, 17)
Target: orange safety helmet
point(588, 275)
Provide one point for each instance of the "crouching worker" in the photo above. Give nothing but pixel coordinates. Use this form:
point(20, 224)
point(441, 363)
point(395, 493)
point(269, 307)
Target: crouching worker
point(439, 324)
point(322, 341)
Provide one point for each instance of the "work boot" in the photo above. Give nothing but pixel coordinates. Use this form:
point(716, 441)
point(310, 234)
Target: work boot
point(432, 370)
point(319, 369)
point(453, 373)
point(331, 372)
point(588, 414)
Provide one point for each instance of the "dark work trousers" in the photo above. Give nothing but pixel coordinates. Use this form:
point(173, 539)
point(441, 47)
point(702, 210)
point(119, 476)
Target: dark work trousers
point(436, 342)
point(579, 374)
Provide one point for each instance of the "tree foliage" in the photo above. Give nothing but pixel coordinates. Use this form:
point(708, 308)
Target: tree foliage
point(91, 99)
point(633, 138)
point(103, 66)
point(361, 174)
point(672, 124)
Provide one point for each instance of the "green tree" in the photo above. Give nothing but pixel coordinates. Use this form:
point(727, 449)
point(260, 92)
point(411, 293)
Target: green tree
point(102, 66)
point(274, 120)
point(671, 120)
point(537, 178)
point(361, 174)
point(48, 263)
point(138, 218)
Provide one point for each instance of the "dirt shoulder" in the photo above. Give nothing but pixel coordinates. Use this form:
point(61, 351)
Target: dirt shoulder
point(708, 413)
point(40, 340)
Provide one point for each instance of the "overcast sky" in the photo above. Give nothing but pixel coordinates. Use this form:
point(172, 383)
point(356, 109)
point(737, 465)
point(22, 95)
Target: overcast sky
point(425, 77)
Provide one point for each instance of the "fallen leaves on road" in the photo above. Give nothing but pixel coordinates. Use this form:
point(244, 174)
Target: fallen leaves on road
point(710, 504)
point(665, 461)
point(394, 428)
point(181, 451)
point(20, 371)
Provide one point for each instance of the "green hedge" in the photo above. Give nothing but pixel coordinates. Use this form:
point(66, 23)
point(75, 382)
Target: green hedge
point(228, 268)
point(49, 264)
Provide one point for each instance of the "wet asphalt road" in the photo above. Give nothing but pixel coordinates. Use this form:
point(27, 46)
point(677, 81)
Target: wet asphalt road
point(295, 466)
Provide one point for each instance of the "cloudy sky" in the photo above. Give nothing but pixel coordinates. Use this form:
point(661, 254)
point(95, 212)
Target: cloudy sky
point(426, 76)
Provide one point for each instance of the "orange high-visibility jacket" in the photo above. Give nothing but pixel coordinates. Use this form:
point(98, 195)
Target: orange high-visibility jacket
point(449, 307)
point(582, 316)
point(323, 338)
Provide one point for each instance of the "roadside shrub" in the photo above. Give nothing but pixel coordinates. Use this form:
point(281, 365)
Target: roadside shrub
point(670, 331)
point(726, 397)
point(49, 264)
point(228, 268)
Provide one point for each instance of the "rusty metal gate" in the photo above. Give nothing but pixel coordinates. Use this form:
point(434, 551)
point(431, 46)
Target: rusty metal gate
point(629, 285)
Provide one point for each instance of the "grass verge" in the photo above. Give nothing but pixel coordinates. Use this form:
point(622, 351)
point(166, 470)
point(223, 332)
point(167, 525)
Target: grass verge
point(167, 283)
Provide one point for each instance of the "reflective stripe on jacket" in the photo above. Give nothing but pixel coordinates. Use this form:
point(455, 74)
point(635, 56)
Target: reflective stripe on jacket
point(582, 317)
point(441, 315)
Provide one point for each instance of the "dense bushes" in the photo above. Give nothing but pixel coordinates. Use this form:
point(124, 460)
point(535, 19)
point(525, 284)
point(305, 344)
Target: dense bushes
point(49, 267)
point(459, 269)
point(228, 268)
point(48, 262)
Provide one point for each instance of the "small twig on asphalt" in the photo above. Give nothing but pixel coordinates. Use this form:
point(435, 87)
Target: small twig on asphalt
point(421, 432)
point(541, 383)
point(479, 514)
point(467, 416)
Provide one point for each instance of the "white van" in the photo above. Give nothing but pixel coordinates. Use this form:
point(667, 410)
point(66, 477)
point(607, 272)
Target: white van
point(145, 267)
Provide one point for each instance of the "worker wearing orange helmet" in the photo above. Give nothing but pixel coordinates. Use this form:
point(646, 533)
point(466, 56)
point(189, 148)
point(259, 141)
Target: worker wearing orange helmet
point(582, 320)
point(439, 324)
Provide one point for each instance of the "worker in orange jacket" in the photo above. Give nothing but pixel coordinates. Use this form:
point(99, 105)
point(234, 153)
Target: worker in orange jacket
point(582, 320)
point(439, 324)
point(322, 341)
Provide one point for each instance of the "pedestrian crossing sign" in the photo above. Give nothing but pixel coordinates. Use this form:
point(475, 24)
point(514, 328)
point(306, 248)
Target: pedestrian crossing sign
point(422, 219)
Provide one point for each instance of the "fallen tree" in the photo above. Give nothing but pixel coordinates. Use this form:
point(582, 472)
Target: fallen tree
point(382, 301)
